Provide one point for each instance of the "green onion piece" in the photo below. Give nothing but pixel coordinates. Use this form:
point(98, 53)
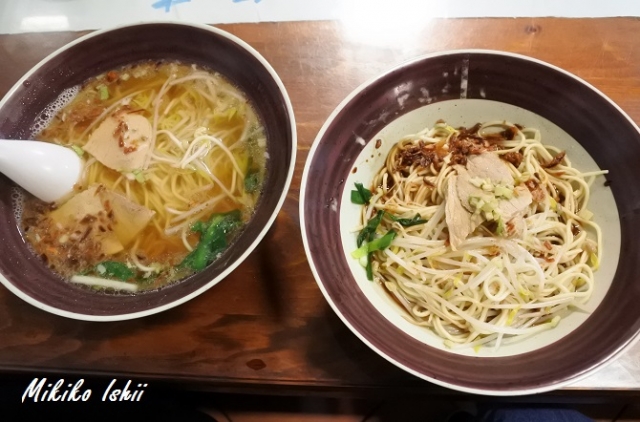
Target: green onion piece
point(594, 261)
point(408, 222)
point(381, 243)
point(104, 92)
point(503, 191)
point(114, 269)
point(501, 229)
point(370, 229)
point(367, 250)
point(369, 268)
point(361, 195)
point(77, 150)
point(360, 252)
point(139, 176)
point(378, 244)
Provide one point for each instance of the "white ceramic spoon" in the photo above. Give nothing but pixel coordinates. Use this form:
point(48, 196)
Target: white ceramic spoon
point(46, 170)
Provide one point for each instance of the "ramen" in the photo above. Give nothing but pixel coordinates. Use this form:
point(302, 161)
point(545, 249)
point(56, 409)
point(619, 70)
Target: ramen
point(175, 160)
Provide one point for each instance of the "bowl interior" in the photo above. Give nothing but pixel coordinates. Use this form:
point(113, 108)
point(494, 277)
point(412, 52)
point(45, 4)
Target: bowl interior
point(92, 55)
point(468, 112)
point(585, 115)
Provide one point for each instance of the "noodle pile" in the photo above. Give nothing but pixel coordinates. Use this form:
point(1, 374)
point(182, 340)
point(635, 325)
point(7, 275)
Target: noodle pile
point(492, 288)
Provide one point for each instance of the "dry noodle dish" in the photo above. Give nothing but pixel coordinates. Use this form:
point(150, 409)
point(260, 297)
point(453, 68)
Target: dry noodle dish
point(481, 234)
point(174, 162)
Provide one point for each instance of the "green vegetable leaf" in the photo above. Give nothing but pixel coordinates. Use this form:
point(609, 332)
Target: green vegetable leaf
point(213, 239)
point(199, 227)
point(230, 221)
point(370, 229)
point(361, 195)
point(408, 222)
point(114, 269)
point(252, 181)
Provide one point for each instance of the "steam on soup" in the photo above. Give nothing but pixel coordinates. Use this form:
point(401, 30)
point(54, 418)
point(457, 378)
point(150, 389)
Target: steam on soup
point(174, 163)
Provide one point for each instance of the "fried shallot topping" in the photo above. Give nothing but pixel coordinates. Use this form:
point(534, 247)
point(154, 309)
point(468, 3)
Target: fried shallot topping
point(514, 158)
point(556, 160)
point(420, 154)
point(537, 192)
point(466, 142)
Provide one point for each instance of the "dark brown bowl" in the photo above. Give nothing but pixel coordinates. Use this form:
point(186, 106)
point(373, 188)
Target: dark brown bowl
point(600, 127)
point(26, 275)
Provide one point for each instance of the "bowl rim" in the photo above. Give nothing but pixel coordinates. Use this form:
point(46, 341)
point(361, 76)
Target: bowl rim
point(310, 258)
point(233, 265)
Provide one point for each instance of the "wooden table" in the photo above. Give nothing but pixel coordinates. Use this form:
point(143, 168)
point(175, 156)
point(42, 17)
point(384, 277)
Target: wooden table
point(267, 328)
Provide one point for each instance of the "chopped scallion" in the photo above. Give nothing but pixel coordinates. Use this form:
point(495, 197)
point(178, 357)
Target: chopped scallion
point(408, 222)
point(104, 92)
point(369, 230)
point(139, 176)
point(381, 243)
point(77, 150)
point(369, 268)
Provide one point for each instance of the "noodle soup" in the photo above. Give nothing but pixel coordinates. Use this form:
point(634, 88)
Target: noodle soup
point(174, 158)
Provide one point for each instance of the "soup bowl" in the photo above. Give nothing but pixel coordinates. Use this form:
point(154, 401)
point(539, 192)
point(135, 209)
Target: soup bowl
point(27, 275)
point(464, 88)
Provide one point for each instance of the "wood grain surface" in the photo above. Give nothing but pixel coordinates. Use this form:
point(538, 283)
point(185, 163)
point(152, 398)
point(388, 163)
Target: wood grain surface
point(267, 325)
